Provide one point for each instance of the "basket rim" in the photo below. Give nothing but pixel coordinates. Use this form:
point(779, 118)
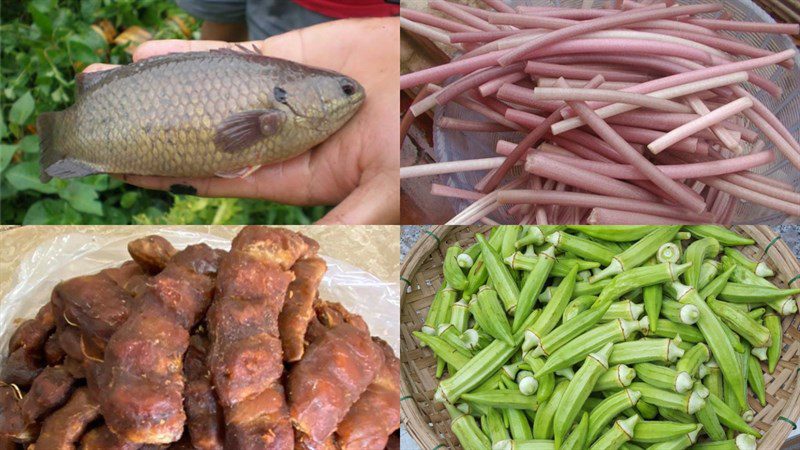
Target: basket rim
point(416, 421)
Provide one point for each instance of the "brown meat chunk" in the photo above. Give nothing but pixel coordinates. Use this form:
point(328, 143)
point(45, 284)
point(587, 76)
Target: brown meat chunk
point(33, 333)
point(394, 441)
point(335, 371)
point(69, 339)
point(331, 314)
point(7, 444)
point(376, 414)
point(245, 356)
point(53, 353)
point(101, 438)
point(50, 390)
point(129, 276)
point(298, 308)
point(74, 367)
point(140, 382)
point(62, 429)
point(303, 442)
point(21, 367)
point(204, 418)
point(151, 253)
point(12, 424)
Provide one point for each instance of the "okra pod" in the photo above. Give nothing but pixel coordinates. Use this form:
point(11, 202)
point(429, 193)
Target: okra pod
point(583, 248)
point(748, 293)
point(688, 402)
point(653, 298)
point(467, 258)
point(527, 383)
point(490, 315)
point(744, 325)
point(578, 390)
point(614, 233)
point(669, 329)
point(565, 332)
point(531, 235)
point(757, 314)
point(625, 309)
point(577, 306)
point(638, 278)
point(668, 252)
point(707, 416)
point(645, 350)
point(742, 442)
point(546, 382)
point(730, 418)
point(760, 353)
point(502, 398)
point(664, 377)
point(475, 371)
point(518, 425)
point(615, 378)
point(495, 426)
point(609, 408)
point(711, 327)
point(475, 340)
point(551, 314)
point(498, 272)
point(773, 324)
point(533, 444)
point(577, 439)
point(543, 424)
point(591, 341)
point(692, 359)
point(520, 261)
point(459, 315)
point(721, 234)
point(466, 429)
point(453, 273)
point(680, 313)
point(449, 334)
point(653, 431)
point(708, 270)
point(679, 443)
point(443, 350)
point(759, 268)
point(674, 415)
point(696, 253)
point(533, 287)
point(784, 306)
point(440, 310)
point(755, 378)
point(621, 432)
point(638, 253)
point(510, 235)
point(715, 286)
point(713, 381)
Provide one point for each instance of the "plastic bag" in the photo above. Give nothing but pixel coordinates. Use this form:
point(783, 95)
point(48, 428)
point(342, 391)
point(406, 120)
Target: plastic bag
point(75, 254)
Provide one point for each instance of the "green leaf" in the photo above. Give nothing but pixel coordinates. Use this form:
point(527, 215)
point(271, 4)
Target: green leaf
point(129, 199)
point(3, 126)
point(51, 212)
point(22, 109)
point(25, 175)
point(82, 197)
point(29, 144)
point(42, 14)
point(6, 153)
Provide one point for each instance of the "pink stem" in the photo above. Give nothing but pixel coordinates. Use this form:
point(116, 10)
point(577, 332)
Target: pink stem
point(447, 191)
point(605, 216)
point(747, 27)
point(469, 125)
point(460, 14)
point(435, 21)
point(753, 196)
point(491, 87)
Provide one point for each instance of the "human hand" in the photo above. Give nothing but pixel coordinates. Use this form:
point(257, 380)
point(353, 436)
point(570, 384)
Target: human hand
point(358, 166)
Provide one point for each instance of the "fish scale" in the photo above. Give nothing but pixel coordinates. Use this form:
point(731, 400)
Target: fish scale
point(195, 114)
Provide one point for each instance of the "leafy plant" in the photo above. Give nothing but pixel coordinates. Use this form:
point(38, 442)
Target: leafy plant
point(45, 43)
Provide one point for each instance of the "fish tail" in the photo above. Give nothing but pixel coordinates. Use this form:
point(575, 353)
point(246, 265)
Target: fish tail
point(53, 159)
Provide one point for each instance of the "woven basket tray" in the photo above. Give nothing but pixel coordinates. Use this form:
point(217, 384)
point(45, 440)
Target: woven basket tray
point(428, 421)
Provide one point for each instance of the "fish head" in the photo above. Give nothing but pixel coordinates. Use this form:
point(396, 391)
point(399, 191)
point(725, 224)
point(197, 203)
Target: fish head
point(321, 101)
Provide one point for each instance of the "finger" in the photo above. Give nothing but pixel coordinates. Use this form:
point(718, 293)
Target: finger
point(163, 47)
point(97, 67)
point(374, 203)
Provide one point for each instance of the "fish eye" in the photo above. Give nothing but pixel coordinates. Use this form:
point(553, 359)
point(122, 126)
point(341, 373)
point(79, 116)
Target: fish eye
point(280, 94)
point(347, 87)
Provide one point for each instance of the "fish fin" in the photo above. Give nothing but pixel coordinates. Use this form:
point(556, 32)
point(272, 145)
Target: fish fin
point(244, 172)
point(243, 129)
point(86, 81)
point(244, 52)
point(53, 162)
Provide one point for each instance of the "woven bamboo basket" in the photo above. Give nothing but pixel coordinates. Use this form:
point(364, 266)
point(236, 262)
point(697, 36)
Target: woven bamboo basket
point(428, 422)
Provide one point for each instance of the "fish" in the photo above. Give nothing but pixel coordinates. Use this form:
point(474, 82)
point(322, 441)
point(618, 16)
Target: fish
point(222, 112)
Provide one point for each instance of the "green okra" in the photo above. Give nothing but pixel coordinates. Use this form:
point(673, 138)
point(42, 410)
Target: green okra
point(490, 315)
point(679, 443)
point(531, 235)
point(499, 273)
point(453, 273)
point(730, 418)
point(638, 253)
point(565, 332)
point(475, 371)
point(645, 350)
point(629, 446)
point(689, 402)
point(646, 410)
point(547, 383)
point(495, 426)
point(621, 432)
point(708, 270)
point(625, 309)
point(680, 313)
point(610, 408)
point(502, 398)
point(707, 416)
point(664, 377)
point(748, 293)
point(653, 431)
point(669, 329)
point(615, 378)
point(467, 431)
point(543, 423)
point(578, 390)
point(591, 341)
point(532, 444)
point(638, 278)
point(614, 233)
point(510, 235)
point(783, 306)
point(757, 313)
point(755, 378)
point(653, 297)
point(468, 257)
point(459, 315)
point(581, 288)
point(668, 252)
point(713, 380)
point(741, 442)
point(527, 383)
point(583, 248)
point(692, 359)
point(443, 349)
point(577, 438)
point(449, 334)
point(721, 234)
point(759, 268)
point(518, 425)
point(475, 340)
point(440, 310)
point(533, 287)
point(711, 327)
point(577, 306)
point(552, 312)
point(674, 415)
point(562, 265)
point(696, 253)
point(773, 324)
point(715, 286)
point(741, 323)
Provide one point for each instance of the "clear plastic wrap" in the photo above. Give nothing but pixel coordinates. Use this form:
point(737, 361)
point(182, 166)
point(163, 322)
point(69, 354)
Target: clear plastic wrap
point(73, 254)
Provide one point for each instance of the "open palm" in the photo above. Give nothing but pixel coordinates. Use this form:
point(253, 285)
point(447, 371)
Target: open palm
point(356, 168)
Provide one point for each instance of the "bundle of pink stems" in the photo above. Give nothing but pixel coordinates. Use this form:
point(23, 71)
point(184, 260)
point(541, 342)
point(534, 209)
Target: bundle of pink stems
point(632, 114)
